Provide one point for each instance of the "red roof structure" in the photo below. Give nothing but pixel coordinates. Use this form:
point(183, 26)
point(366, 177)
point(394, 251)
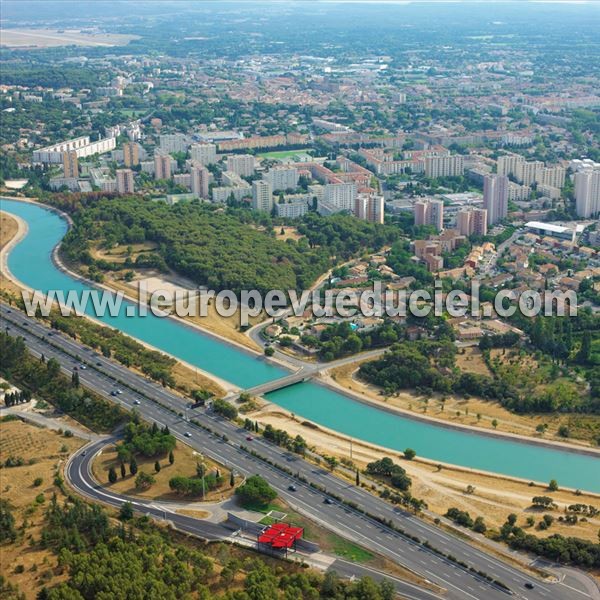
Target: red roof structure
point(281, 536)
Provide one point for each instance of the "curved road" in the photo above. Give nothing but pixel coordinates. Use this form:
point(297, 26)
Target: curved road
point(78, 473)
point(162, 406)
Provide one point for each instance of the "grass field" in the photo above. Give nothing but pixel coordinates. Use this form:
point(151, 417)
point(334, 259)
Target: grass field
point(281, 154)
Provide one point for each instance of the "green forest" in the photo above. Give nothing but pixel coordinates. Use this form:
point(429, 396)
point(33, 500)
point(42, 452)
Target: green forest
point(102, 557)
point(221, 248)
point(430, 366)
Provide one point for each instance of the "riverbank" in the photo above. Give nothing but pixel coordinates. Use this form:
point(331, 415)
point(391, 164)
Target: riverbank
point(431, 438)
point(493, 496)
point(186, 376)
point(471, 414)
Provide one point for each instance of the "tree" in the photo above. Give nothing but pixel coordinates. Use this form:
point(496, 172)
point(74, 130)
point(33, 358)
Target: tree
point(126, 512)
point(123, 470)
point(553, 485)
point(144, 481)
point(357, 477)
point(479, 525)
point(409, 454)
point(231, 479)
point(269, 351)
point(256, 492)
point(112, 475)
point(171, 457)
point(584, 354)
point(494, 423)
point(75, 379)
point(157, 466)
point(133, 467)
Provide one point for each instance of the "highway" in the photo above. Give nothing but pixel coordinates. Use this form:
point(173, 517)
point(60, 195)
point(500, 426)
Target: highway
point(164, 407)
point(78, 473)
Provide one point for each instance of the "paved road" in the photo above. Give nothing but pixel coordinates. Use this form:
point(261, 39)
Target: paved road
point(79, 474)
point(162, 406)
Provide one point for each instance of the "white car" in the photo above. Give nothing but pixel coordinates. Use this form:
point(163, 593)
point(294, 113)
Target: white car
point(187, 434)
point(137, 402)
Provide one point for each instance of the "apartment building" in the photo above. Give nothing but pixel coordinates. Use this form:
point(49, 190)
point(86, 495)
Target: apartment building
point(587, 193)
point(125, 183)
point(174, 142)
point(70, 164)
point(262, 195)
point(162, 165)
point(495, 197)
point(199, 181)
point(444, 166)
point(204, 153)
point(283, 178)
point(242, 164)
point(131, 154)
point(291, 210)
point(472, 221)
point(341, 196)
point(370, 208)
point(81, 145)
point(430, 212)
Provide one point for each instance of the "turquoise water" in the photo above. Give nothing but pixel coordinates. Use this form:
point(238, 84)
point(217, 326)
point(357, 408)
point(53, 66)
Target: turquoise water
point(30, 261)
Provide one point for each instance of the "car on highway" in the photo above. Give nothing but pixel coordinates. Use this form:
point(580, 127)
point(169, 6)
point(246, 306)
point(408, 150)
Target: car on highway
point(137, 402)
point(83, 453)
point(249, 438)
point(83, 367)
point(328, 501)
point(187, 434)
point(292, 488)
point(119, 391)
point(98, 364)
point(113, 393)
point(529, 585)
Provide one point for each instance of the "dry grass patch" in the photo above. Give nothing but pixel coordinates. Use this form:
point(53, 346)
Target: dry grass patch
point(289, 233)
point(43, 451)
point(185, 463)
point(8, 228)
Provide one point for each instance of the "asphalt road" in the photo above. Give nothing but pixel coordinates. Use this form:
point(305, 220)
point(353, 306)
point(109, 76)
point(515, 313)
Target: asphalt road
point(79, 474)
point(104, 376)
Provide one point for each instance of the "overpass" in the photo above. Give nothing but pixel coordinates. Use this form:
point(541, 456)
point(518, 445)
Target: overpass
point(303, 374)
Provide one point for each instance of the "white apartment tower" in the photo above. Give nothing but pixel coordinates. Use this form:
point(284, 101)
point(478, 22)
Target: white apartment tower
point(242, 164)
point(262, 195)
point(587, 193)
point(495, 197)
point(283, 178)
point(341, 196)
point(444, 166)
point(205, 154)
